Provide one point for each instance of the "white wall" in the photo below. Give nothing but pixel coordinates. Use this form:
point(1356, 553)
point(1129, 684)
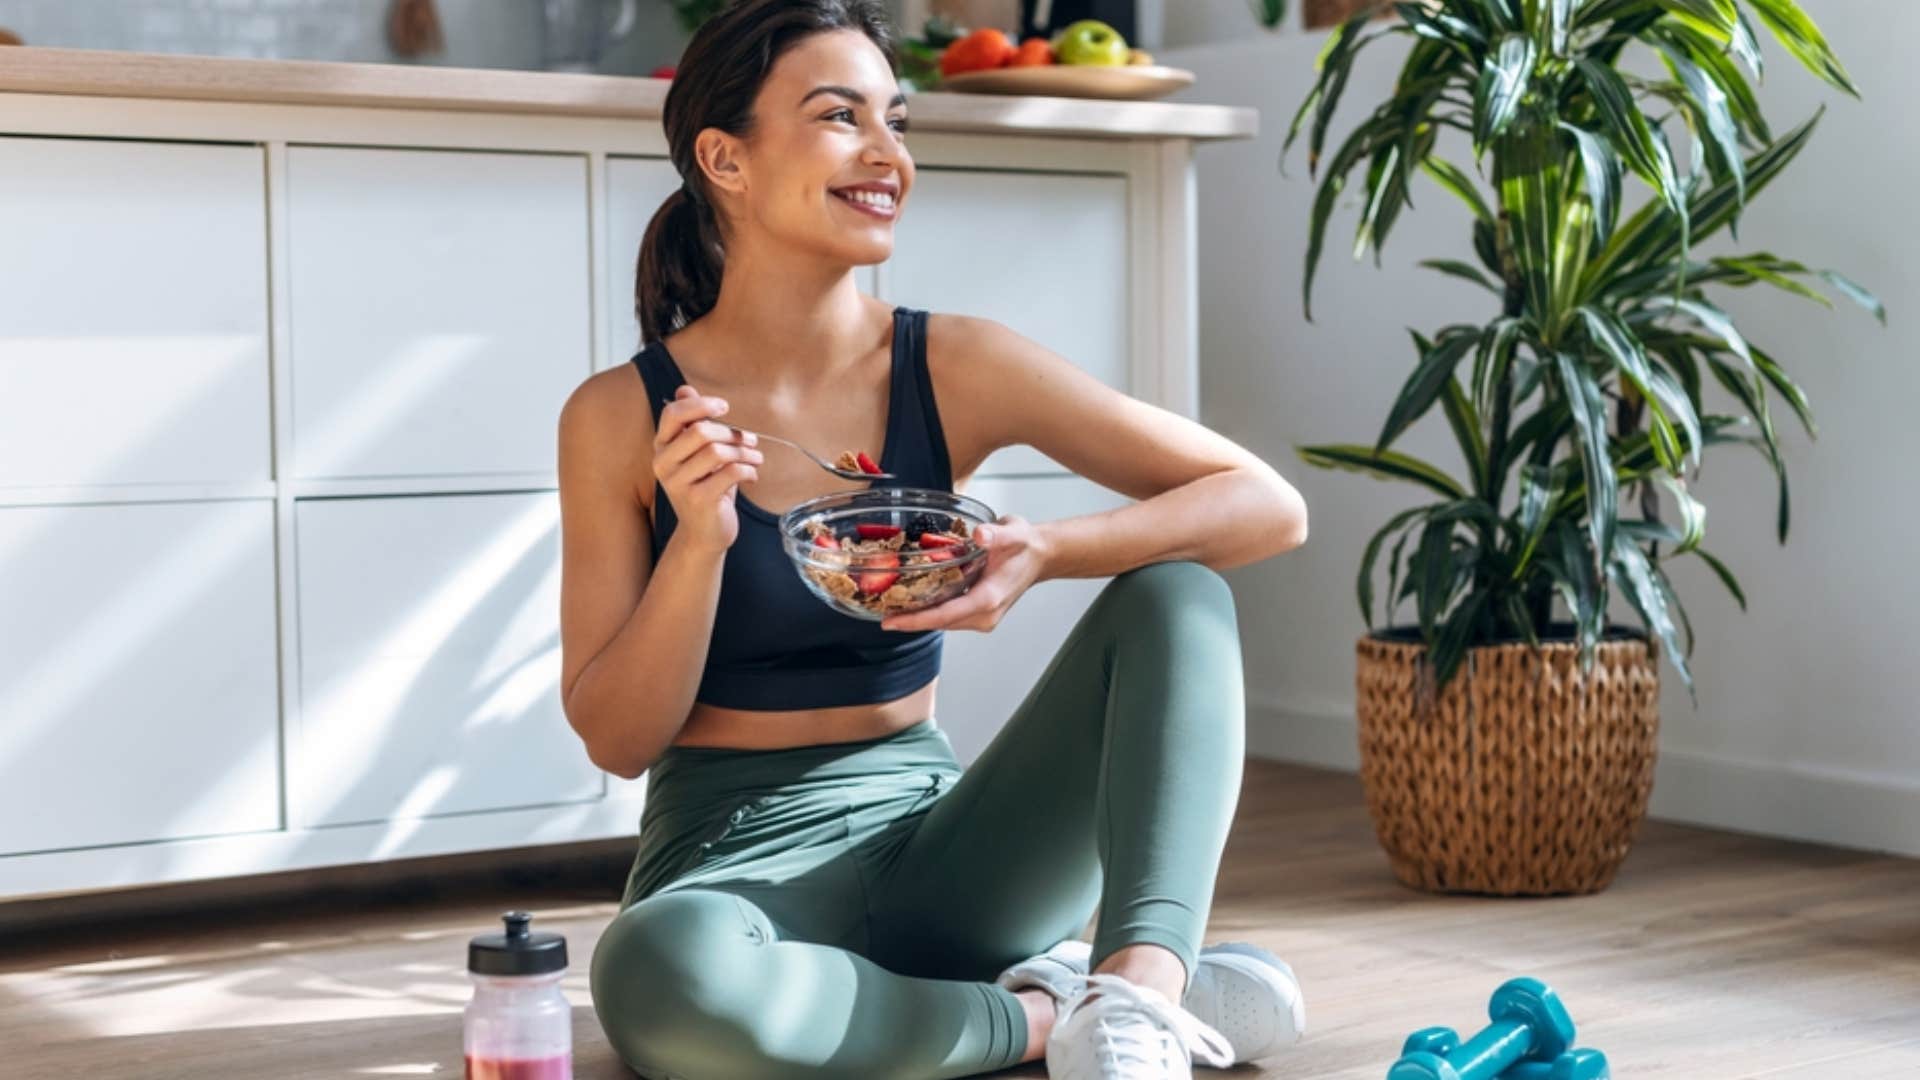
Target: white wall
point(1806, 725)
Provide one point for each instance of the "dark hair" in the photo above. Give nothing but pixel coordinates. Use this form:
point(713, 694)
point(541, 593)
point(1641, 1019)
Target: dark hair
point(677, 278)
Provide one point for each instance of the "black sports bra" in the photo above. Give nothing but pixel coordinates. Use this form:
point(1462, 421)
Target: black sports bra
point(775, 646)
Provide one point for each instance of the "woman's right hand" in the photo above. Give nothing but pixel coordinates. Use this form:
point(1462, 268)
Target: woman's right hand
point(701, 465)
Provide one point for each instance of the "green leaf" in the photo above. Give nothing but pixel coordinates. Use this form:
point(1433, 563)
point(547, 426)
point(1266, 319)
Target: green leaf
point(1504, 80)
point(1465, 422)
point(1628, 128)
point(1490, 364)
point(1620, 343)
point(1765, 268)
point(1454, 32)
point(1588, 600)
point(1676, 406)
point(1788, 389)
point(1726, 576)
point(1455, 268)
point(1601, 168)
point(1556, 23)
point(1451, 647)
point(1654, 234)
point(1530, 192)
point(1804, 40)
point(1538, 489)
point(1857, 294)
point(1635, 577)
point(1693, 514)
point(1705, 52)
point(1715, 113)
point(1364, 140)
point(1398, 522)
point(1717, 322)
point(1433, 557)
point(1449, 176)
point(1590, 420)
point(1428, 380)
point(1388, 465)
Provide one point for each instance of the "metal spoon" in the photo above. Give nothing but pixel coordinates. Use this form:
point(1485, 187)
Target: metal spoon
point(849, 474)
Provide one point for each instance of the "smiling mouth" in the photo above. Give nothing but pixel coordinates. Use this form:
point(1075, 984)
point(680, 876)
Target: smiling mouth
point(878, 204)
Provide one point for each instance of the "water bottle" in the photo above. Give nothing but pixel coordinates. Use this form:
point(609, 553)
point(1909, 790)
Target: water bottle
point(519, 1025)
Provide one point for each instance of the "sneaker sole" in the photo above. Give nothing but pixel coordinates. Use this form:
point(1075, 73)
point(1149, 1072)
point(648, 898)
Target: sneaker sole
point(1287, 1022)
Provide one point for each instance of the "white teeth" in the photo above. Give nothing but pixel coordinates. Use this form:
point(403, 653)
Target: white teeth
point(872, 198)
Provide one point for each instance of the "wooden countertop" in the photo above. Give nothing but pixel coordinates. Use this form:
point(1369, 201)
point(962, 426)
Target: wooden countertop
point(29, 69)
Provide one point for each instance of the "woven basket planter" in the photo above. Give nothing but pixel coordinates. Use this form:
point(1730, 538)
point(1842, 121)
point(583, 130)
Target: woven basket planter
point(1522, 778)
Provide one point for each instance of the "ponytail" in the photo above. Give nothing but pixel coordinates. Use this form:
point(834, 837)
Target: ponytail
point(677, 279)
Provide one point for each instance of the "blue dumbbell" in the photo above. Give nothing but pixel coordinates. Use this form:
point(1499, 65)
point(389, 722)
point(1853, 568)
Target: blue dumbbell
point(1529, 1024)
point(1572, 1065)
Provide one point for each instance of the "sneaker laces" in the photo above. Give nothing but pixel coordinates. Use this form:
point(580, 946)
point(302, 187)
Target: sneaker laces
point(1136, 1027)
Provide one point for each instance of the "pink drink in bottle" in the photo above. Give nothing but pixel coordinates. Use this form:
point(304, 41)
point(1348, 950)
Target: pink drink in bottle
point(519, 1025)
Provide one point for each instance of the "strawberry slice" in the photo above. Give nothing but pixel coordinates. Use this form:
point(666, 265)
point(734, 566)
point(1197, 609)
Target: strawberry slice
point(939, 540)
point(873, 582)
point(866, 463)
point(876, 531)
point(825, 541)
point(940, 554)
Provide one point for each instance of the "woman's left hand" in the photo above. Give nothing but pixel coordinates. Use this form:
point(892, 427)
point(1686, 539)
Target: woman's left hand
point(1016, 558)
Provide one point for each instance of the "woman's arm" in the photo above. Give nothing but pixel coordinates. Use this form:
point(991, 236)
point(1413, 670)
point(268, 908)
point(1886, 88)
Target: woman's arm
point(633, 636)
point(1202, 497)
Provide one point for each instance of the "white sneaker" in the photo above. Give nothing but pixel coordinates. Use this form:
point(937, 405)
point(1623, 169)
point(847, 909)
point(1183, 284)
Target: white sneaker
point(1112, 1029)
point(1241, 990)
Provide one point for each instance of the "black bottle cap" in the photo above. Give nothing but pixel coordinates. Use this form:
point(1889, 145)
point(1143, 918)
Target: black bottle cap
point(517, 951)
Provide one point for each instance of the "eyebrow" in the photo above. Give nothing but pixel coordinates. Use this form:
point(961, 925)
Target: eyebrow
point(851, 94)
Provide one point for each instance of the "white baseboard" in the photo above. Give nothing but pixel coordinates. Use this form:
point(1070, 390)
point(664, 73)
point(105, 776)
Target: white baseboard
point(1852, 810)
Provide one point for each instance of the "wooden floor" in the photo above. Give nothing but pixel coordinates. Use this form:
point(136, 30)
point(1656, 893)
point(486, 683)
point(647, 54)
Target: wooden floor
point(1713, 955)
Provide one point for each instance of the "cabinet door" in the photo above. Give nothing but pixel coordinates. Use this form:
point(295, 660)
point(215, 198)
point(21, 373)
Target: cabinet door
point(1045, 254)
point(138, 700)
point(133, 313)
point(440, 309)
point(430, 659)
point(984, 677)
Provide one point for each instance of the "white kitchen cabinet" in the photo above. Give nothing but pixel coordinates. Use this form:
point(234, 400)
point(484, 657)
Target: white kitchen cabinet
point(440, 308)
point(430, 660)
point(133, 314)
point(984, 677)
point(1044, 253)
point(137, 693)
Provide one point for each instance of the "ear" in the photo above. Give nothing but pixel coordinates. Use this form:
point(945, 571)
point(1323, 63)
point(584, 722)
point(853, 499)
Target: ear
point(723, 160)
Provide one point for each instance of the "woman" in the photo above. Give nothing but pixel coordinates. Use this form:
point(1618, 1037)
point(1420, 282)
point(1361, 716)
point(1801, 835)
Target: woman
point(819, 889)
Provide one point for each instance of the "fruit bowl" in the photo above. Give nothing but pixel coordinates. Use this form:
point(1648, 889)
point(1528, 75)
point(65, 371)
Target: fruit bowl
point(886, 550)
point(1127, 82)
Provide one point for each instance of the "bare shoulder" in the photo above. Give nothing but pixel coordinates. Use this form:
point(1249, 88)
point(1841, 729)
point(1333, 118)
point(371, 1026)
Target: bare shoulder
point(978, 369)
point(606, 428)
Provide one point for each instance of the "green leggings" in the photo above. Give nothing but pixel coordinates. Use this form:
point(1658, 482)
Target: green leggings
point(841, 909)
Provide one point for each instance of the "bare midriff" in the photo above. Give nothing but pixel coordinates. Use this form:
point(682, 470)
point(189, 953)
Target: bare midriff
point(756, 729)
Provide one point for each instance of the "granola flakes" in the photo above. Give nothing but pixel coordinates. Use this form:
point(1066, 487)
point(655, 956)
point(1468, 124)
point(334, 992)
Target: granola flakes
point(861, 572)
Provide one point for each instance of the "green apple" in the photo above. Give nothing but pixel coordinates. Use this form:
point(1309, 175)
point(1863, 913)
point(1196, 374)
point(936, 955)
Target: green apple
point(1091, 41)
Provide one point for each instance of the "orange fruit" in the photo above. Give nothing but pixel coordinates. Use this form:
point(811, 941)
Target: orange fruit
point(1033, 52)
point(981, 50)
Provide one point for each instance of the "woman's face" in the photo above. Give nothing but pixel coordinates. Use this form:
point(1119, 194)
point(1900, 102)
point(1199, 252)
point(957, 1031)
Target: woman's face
point(830, 119)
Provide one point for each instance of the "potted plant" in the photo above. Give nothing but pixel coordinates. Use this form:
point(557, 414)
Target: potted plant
point(1504, 751)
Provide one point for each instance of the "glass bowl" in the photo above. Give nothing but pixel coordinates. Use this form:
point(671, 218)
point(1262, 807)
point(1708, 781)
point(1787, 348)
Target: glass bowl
point(878, 565)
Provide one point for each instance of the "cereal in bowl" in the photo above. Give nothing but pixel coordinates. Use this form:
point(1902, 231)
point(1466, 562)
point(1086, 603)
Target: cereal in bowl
point(865, 569)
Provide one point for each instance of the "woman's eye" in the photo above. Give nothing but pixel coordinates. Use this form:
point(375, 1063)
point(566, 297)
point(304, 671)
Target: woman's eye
point(900, 122)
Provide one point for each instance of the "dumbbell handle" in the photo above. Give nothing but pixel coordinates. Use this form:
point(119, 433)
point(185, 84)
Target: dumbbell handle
point(1499, 1045)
